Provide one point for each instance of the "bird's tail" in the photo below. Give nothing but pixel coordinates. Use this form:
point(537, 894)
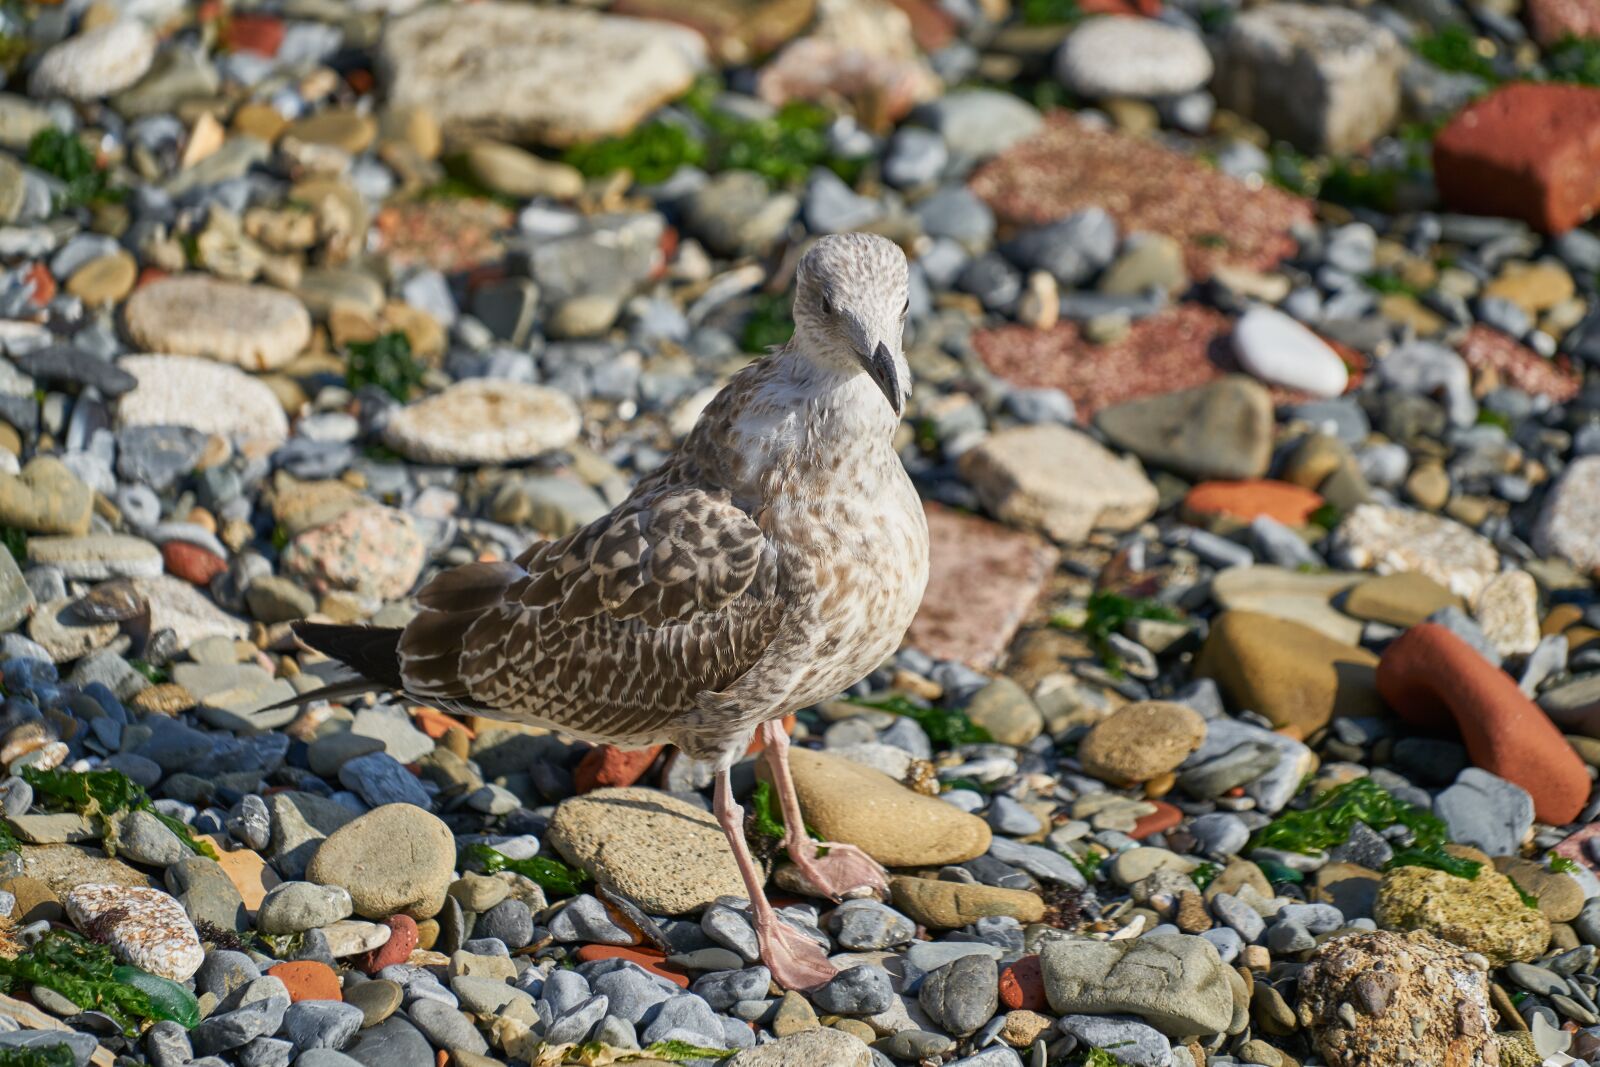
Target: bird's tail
point(373, 652)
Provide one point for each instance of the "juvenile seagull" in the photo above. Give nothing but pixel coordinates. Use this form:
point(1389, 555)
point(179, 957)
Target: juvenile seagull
point(774, 560)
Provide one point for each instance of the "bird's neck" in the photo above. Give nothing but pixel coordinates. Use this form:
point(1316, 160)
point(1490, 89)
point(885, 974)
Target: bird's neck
point(833, 395)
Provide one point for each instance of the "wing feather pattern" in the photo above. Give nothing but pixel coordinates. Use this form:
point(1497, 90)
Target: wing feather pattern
point(610, 632)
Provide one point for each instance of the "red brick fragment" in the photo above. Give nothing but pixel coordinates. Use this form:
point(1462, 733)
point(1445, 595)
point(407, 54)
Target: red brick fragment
point(192, 563)
point(983, 580)
point(1431, 678)
point(1145, 186)
point(260, 34)
point(1526, 151)
point(1164, 818)
point(1485, 348)
point(608, 765)
point(1022, 985)
point(652, 960)
point(402, 942)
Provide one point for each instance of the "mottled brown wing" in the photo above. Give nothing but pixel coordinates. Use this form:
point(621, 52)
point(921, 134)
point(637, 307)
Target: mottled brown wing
point(611, 631)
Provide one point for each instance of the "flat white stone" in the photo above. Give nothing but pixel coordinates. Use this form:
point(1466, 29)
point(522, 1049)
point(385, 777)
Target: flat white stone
point(484, 420)
point(1119, 55)
point(202, 395)
point(1278, 350)
point(95, 64)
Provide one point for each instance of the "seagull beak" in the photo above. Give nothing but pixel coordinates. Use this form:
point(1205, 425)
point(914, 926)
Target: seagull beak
point(880, 367)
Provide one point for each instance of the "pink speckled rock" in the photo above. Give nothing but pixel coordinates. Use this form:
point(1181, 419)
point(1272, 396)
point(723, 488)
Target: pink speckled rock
point(375, 551)
point(144, 926)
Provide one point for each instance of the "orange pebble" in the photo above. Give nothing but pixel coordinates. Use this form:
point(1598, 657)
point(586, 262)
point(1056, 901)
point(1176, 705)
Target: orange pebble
point(307, 980)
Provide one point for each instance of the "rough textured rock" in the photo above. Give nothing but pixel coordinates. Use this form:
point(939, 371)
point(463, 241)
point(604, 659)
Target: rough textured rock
point(1058, 481)
point(1326, 79)
point(1141, 741)
point(552, 75)
point(1483, 914)
point(1176, 983)
point(1390, 540)
point(809, 1048)
point(202, 395)
point(668, 857)
point(1569, 523)
point(1416, 999)
point(145, 927)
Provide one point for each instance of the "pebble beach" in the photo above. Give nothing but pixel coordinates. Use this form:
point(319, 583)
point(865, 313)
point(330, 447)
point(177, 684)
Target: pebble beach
point(1252, 713)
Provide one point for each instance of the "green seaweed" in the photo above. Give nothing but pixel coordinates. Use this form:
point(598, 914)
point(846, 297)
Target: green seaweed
point(1389, 284)
point(1495, 418)
point(682, 1050)
point(1107, 613)
point(1088, 864)
point(768, 814)
point(102, 794)
point(783, 148)
point(1099, 1057)
point(1563, 865)
point(15, 540)
point(552, 875)
point(64, 156)
point(1528, 899)
point(386, 362)
point(37, 1056)
point(1437, 860)
point(771, 322)
point(652, 151)
point(155, 675)
point(1326, 516)
point(1051, 12)
point(944, 726)
point(87, 974)
point(1575, 60)
point(1455, 48)
point(1327, 820)
point(1204, 875)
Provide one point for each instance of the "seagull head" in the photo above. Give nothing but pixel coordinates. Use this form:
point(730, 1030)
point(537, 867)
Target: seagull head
point(850, 305)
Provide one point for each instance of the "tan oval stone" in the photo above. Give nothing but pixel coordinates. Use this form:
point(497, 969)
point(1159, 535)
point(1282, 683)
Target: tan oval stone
point(250, 326)
point(948, 905)
point(859, 806)
point(397, 858)
point(1141, 741)
point(669, 857)
point(104, 280)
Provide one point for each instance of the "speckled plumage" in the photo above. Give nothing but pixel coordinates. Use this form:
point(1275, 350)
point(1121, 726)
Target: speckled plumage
point(775, 559)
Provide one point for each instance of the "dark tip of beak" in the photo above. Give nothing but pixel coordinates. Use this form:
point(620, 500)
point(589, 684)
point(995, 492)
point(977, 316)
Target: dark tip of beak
point(881, 369)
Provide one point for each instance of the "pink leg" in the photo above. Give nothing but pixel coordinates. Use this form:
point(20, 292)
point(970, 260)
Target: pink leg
point(796, 962)
point(845, 868)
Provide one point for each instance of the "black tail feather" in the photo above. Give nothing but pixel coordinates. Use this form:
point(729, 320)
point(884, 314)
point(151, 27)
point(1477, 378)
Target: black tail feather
point(371, 651)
